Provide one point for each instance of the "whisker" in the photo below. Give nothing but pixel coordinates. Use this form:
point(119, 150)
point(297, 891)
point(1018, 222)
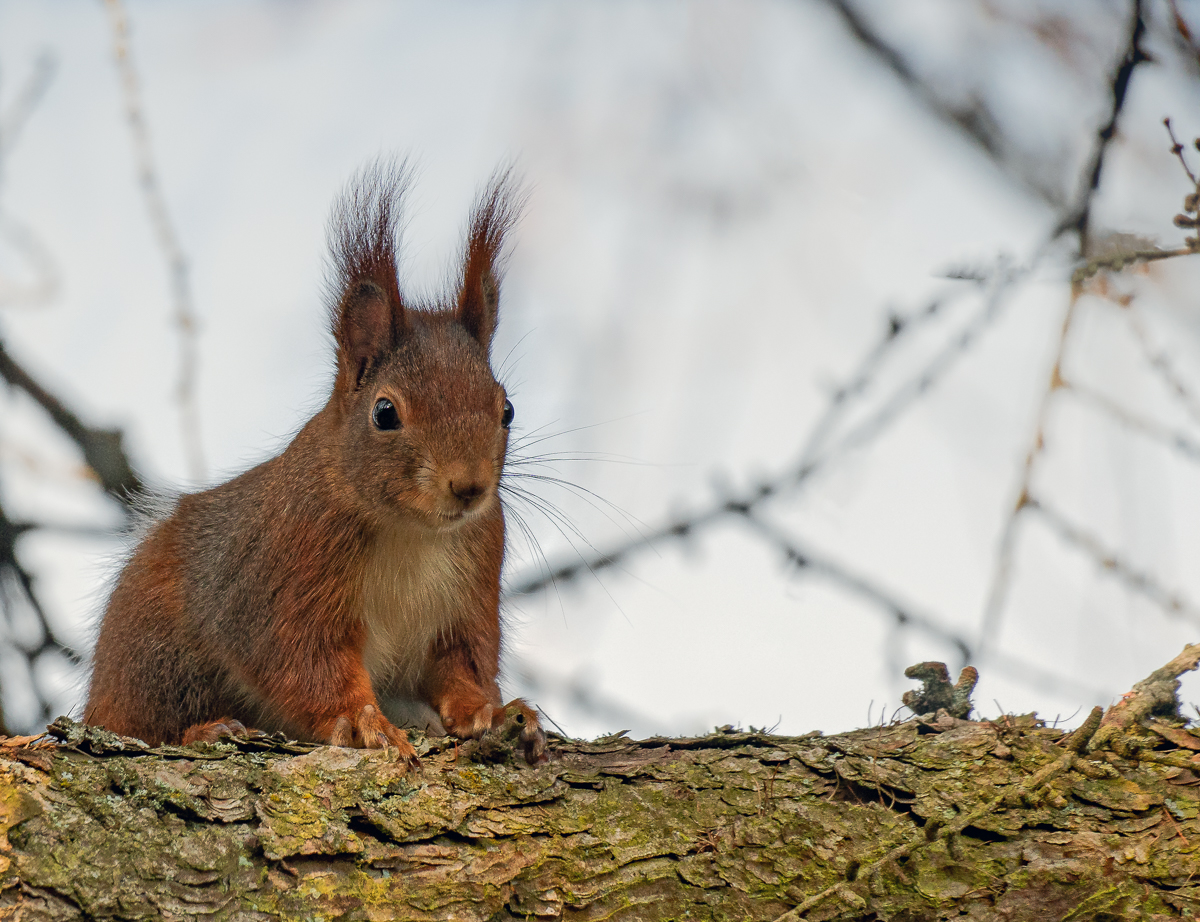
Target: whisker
point(566, 527)
point(531, 541)
point(594, 500)
point(551, 512)
point(554, 435)
point(504, 364)
point(524, 456)
point(563, 457)
point(540, 559)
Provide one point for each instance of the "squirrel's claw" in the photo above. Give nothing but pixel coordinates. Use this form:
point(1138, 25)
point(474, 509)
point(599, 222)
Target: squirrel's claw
point(369, 729)
point(217, 729)
point(412, 761)
point(473, 724)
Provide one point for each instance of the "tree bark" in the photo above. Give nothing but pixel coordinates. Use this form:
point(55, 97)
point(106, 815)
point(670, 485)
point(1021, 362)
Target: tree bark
point(934, 818)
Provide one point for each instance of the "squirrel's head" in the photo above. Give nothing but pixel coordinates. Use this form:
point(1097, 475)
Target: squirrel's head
point(423, 419)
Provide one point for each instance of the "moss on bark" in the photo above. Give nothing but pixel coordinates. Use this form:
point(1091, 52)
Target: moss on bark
point(934, 818)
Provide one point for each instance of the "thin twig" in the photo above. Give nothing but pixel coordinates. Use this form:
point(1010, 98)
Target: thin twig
point(1120, 261)
point(1177, 150)
point(812, 460)
point(1177, 441)
point(1078, 219)
point(1140, 581)
point(1190, 216)
point(168, 240)
point(19, 235)
point(905, 616)
point(13, 119)
point(974, 119)
point(1161, 362)
point(102, 448)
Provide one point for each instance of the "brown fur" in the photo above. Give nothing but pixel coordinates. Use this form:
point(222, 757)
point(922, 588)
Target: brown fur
point(361, 563)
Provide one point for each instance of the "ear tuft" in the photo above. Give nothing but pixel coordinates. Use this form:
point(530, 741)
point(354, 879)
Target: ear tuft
point(363, 287)
point(495, 212)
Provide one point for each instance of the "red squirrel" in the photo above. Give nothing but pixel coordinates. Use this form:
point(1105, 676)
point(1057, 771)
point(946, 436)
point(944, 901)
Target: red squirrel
point(362, 564)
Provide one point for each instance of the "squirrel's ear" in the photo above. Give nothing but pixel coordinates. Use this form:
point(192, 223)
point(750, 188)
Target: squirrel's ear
point(479, 290)
point(363, 286)
point(366, 332)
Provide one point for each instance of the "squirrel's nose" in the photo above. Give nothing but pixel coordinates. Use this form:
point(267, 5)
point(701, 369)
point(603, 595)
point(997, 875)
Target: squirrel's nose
point(468, 482)
point(467, 491)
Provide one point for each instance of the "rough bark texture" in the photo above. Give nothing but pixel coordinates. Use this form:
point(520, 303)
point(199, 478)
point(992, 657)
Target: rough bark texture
point(934, 818)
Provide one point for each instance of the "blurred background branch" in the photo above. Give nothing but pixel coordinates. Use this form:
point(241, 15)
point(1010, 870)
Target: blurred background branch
point(184, 314)
point(972, 117)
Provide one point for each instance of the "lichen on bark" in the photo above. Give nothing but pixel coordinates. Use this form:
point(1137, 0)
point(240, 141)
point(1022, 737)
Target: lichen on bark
point(935, 817)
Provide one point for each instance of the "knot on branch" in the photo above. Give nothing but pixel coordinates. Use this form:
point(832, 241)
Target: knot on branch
point(936, 691)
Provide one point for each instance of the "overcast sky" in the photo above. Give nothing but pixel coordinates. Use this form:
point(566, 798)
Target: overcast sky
point(728, 200)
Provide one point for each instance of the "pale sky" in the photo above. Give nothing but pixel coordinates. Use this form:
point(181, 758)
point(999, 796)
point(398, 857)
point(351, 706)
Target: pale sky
point(727, 201)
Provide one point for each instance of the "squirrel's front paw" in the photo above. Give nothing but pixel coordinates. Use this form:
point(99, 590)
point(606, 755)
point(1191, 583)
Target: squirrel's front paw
point(218, 729)
point(469, 721)
point(532, 736)
point(369, 729)
point(516, 716)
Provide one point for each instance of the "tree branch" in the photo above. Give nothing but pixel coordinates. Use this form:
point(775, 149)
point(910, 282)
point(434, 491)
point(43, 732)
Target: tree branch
point(103, 449)
point(1078, 219)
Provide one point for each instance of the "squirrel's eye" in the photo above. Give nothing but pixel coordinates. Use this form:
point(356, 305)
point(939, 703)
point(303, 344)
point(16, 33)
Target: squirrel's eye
point(507, 417)
point(384, 415)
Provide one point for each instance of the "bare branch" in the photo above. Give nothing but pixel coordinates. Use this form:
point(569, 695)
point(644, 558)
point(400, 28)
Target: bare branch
point(1162, 363)
point(18, 235)
point(16, 584)
point(1079, 218)
point(1002, 570)
point(812, 458)
point(168, 240)
point(906, 616)
point(102, 448)
point(1177, 441)
point(904, 396)
point(805, 559)
point(13, 119)
point(975, 120)
point(1173, 603)
point(1121, 261)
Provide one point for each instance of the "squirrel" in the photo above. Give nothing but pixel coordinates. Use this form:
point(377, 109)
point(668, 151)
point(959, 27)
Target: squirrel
point(355, 576)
